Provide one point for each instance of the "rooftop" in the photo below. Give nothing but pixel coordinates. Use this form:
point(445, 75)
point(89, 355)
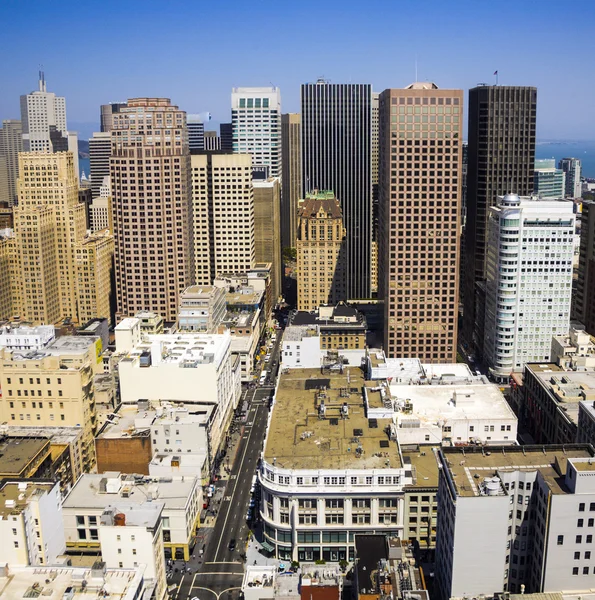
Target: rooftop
point(243, 298)
point(96, 491)
point(15, 494)
point(471, 465)
point(16, 453)
point(56, 435)
point(243, 318)
point(424, 467)
point(296, 333)
point(146, 514)
point(341, 316)
point(299, 439)
point(313, 204)
point(52, 583)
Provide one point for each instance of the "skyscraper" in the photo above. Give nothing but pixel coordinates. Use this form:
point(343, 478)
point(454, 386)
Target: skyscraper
point(151, 197)
point(226, 135)
point(549, 182)
point(501, 160)
point(420, 195)
point(291, 128)
point(223, 215)
point(585, 285)
point(211, 141)
point(107, 112)
point(100, 150)
point(337, 156)
point(320, 246)
point(572, 168)
point(43, 118)
point(11, 143)
point(256, 124)
point(527, 290)
point(267, 228)
point(196, 132)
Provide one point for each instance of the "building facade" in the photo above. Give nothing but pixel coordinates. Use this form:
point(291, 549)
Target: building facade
point(572, 169)
point(152, 207)
point(256, 124)
point(202, 309)
point(585, 285)
point(100, 150)
point(321, 251)
point(106, 115)
point(267, 229)
point(11, 143)
point(336, 155)
point(549, 182)
point(502, 122)
point(418, 253)
point(196, 132)
point(291, 131)
point(528, 281)
point(223, 215)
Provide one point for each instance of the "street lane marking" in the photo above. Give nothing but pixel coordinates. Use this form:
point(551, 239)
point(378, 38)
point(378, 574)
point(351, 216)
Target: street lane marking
point(224, 562)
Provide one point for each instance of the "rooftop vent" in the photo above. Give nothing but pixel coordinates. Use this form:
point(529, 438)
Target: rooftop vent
point(358, 432)
point(384, 444)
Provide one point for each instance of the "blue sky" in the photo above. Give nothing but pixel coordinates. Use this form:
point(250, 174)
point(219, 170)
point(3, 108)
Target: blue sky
point(194, 52)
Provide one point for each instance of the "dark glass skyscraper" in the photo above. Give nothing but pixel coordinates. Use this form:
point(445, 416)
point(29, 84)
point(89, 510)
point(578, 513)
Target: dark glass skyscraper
point(337, 156)
point(501, 160)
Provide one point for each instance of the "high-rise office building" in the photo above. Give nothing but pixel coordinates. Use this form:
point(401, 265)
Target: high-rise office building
point(267, 228)
point(585, 286)
point(196, 132)
point(572, 168)
point(320, 246)
point(336, 155)
point(256, 125)
point(52, 278)
point(375, 207)
point(530, 247)
point(549, 182)
point(501, 160)
point(100, 149)
point(11, 143)
point(226, 135)
point(291, 129)
point(223, 215)
point(106, 115)
point(420, 193)
point(212, 142)
point(152, 212)
point(101, 209)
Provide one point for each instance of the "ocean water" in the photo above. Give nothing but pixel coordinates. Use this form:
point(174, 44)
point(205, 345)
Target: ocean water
point(585, 151)
point(84, 166)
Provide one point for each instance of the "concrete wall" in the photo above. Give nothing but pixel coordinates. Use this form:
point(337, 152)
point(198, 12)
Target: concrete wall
point(126, 455)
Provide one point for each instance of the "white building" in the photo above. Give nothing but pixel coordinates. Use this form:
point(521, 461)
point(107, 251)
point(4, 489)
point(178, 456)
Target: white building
point(327, 472)
point(65, 582)
point(101, 208)
point(26, 338)
point(529, 280)
point(256, 123)
point(574, 350)
point(515, 519)
point(585, 433)
point(100, 151)
point(132, 535)
point(189, 367)
point(30, 523)
point(83, 507)
point(202, 308)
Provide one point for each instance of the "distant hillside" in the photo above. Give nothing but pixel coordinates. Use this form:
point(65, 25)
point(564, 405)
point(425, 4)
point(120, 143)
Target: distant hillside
point(83, 148)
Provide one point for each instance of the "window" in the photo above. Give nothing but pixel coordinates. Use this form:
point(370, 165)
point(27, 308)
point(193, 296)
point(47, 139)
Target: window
point(579, 539)
point(585, 570)
point(577, 556)
point(589, 539)
point(560, 540)
point(575, 570)
point(134, 551)
point(581, 507)
point(580, 523)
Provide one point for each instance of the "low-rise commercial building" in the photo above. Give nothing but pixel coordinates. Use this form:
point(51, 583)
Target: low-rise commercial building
point(327, 471)
point(534, 507)
point(246, 330)
point(151, 323)
point(25, 338)
point(30, 522)
point(202, 308)
point(83, 507)
point(575, 350)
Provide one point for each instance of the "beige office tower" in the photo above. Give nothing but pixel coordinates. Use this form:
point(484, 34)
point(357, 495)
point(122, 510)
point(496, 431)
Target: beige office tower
point(420, 190)
point(94, 260)
point(6, 251)
point(11, 143)
point(223, 215)
point(101, 208)
point(151, 199)
point(291, 165)
point(267, 228)
point(49, 221)
point(320, 247)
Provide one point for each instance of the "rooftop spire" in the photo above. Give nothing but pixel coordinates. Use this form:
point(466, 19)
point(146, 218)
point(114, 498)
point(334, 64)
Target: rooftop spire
point(42, 87)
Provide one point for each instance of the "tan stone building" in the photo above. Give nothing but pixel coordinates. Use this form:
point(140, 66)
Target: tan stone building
point(94, 260)
point(223, 214)
point(267, 228)
point(53, 387)
point(420, 193)
point(152, 212)
point(320, 251)
point(291, 150)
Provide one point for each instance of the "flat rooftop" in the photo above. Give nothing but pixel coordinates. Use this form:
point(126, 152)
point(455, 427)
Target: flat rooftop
point(465, 463)
point(434, 403)
point(30, 582)
point(90, 491)
point(71, 344)
point(296, 333)
point(16, 453)
point(447, 370)
point(56, 435)
point(298, 439)
point(146, 514)
point(424, 467)
point(14, 495)
point(243, 298)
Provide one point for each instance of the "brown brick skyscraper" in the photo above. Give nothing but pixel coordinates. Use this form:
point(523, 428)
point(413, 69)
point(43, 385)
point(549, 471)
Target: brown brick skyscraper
point(420, 191)
point(150, 171)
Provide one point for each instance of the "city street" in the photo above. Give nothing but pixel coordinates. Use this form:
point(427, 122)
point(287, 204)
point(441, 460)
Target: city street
point(219, 571)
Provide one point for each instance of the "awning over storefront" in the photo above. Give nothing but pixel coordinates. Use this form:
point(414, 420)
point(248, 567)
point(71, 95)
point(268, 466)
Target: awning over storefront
point(268, 547)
